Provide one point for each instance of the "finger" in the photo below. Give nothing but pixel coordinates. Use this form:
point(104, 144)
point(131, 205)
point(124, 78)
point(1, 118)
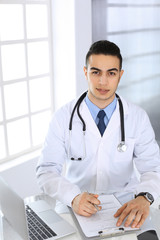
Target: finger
point(136, 220)
point(92, 199)
point(93, 194)
point(132, 215)
point(98, 207)
point(96, 195)
point(82, 212)
point(123, 215)
point(86, 214)
point(94, 203)
point(90, 208)
point(142, 220)
point(120, 210)
point(85, 210)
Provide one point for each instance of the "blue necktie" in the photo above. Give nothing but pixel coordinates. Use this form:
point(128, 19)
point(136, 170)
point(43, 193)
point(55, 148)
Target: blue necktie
point(101, 125)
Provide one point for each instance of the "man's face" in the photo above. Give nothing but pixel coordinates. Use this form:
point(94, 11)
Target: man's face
point(103, 75)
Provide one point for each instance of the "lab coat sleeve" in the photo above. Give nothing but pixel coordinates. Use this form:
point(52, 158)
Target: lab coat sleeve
point(147, 158)
point(51, 162)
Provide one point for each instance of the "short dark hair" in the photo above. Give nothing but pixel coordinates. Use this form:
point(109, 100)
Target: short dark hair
point(104, 47)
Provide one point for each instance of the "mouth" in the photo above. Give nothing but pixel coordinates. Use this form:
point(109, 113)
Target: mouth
point(102, 91)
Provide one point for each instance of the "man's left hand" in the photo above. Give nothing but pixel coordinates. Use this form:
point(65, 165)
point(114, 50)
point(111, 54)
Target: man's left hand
point(135, 212)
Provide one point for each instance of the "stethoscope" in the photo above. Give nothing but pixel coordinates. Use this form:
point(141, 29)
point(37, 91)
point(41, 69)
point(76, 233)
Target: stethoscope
point(122, 147)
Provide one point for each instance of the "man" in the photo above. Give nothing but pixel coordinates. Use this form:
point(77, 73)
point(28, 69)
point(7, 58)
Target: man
point(102, 168)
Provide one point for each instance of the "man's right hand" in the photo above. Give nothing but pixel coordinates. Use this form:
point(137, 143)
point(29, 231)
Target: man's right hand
point(83, 204)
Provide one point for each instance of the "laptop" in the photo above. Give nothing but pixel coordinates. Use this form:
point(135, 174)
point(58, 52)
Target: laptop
point(34, 221)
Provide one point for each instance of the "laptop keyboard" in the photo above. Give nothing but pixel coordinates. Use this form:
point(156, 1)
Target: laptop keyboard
point(38, 230)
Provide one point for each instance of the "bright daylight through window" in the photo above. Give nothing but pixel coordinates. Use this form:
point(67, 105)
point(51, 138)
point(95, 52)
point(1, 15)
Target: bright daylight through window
point(25, 76)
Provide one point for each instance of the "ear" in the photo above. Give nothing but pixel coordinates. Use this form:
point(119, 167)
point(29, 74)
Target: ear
point(121, 73)
point(85, 71)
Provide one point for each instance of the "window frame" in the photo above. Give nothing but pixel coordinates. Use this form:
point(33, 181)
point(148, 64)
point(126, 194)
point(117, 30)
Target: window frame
point(27, 78)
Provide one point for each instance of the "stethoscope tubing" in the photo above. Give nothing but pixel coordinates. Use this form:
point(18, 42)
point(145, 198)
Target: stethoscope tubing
point(121, 146)
point(121, 111)
point(77, 105)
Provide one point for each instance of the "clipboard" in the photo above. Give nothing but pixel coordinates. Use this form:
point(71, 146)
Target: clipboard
point(102, 224)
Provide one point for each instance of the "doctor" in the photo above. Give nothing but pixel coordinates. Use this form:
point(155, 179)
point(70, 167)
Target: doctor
point(93, 163)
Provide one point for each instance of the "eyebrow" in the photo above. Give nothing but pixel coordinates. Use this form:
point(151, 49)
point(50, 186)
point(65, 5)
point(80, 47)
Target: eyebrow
point(113, 69)
point(109, 70)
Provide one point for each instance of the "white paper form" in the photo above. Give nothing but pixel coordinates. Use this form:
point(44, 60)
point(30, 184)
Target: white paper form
point(103, 222)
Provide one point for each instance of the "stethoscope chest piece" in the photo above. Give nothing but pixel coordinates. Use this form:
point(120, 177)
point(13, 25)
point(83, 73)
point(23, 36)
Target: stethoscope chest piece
point(122, 147)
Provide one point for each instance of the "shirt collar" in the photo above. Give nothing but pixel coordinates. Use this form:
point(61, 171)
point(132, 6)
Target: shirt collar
point(94, 109)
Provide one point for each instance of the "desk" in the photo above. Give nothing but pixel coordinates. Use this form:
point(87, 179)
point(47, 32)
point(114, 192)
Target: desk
point(9, 233)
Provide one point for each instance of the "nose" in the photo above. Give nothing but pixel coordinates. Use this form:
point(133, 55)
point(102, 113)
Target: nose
point(103, 80)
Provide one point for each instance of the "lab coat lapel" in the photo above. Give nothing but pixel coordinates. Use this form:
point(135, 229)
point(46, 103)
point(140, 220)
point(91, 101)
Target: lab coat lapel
point(114, 122)
point(90, 123)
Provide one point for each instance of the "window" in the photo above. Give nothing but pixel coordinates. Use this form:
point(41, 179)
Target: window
point(134, 25)
point(25, 76)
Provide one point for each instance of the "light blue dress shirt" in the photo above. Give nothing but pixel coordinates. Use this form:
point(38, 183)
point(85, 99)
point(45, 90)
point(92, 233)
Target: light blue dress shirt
point(94, 110)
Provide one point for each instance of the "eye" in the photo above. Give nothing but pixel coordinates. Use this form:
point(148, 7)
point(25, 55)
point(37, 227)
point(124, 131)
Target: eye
point(95, 72)
point(112, 73)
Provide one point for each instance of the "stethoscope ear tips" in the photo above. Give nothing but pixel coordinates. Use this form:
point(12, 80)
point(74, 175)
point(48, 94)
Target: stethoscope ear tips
point(76, 159)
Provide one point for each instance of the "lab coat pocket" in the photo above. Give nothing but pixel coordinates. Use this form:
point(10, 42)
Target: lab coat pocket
point(128, 154)
point(76, 147)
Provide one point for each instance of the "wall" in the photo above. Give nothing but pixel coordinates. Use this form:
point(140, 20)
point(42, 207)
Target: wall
point(72, 36)
point(83, 39)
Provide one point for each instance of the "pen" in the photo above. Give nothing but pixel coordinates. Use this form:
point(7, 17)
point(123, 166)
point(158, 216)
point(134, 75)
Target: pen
point(94, 204)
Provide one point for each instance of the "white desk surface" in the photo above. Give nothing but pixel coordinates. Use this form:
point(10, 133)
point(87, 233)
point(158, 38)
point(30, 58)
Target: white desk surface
point(10, 234)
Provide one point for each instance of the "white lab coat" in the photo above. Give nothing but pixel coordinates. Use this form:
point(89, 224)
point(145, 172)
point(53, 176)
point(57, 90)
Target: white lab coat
point(104, 169)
